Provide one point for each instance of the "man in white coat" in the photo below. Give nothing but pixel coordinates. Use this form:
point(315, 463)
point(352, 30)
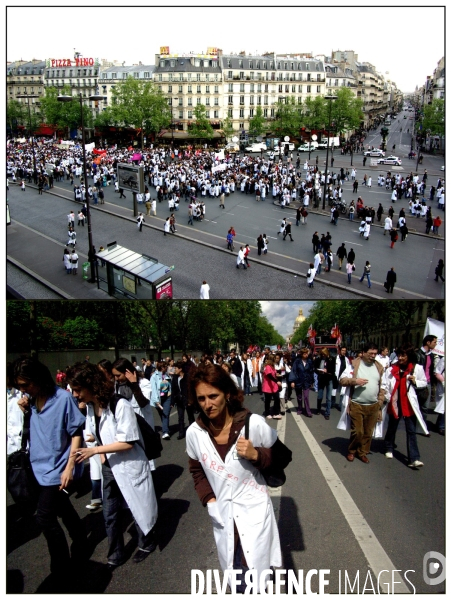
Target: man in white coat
point(240, 258)
point(204, 291)
point(342, 362)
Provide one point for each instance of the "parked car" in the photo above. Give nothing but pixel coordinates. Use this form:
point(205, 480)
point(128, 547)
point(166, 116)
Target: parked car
point(306, 148)
point(375, 152)
point(257, 147)
point(322, 145)
point(389, 160)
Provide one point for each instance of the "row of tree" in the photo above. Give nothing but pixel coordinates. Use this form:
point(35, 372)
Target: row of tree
point(142, 105)
point(34, 326)
point(366, 319)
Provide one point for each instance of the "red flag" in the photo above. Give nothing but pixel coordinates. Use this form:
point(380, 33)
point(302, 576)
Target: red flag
point(335, 331)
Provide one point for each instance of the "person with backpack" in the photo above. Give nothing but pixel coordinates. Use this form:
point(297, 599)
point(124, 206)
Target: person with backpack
point(234, 491)
point(126, 470)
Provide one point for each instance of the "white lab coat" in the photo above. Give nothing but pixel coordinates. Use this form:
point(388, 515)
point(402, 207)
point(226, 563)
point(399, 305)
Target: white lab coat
point(241, 497)
point(440, 388)
point(95, 463)
point(14, 421)
point(130, 468)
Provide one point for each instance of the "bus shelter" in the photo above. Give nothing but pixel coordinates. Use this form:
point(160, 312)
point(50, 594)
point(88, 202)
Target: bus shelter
point(123, 273)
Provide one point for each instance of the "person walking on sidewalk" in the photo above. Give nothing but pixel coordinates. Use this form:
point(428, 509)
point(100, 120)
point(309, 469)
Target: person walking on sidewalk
point(393, 237)
point(140, 221)
point(366, 273)
point(74, 261)
point(391, 280)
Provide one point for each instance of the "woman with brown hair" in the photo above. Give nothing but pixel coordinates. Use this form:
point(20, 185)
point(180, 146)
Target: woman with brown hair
point(226, 469)
point(125, 469)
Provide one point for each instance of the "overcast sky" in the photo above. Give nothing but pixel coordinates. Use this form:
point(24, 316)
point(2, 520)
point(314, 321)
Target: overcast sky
point(403, 43)
point(282, 314)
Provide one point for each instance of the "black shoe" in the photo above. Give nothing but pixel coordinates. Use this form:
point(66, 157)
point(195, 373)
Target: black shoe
point(113, 566)
point(180, 436)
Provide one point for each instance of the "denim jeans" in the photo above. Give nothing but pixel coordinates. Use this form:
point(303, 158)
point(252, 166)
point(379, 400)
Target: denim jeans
point(165, 402)
point(52, 504)
point(113, 502)
point(412, 447)
point(328, 387)
point(367, 275)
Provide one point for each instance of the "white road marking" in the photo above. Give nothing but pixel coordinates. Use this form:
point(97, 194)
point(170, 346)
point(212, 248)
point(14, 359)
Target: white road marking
point(378, 559)
point(281, 427)
point(241, 206)
point(346, 241)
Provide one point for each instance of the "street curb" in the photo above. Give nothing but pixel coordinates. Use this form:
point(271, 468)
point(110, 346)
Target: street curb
point(33, 274)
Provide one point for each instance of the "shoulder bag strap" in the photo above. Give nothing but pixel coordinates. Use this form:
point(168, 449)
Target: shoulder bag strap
point(246, 426)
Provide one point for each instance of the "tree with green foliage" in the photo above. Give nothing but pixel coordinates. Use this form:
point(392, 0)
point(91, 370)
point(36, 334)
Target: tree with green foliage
point(346, 111)
point(257, 124)
point(15, 114)
point(139, 104)
point(201, 127)
point(288, 118)
point(227, 127)
point(64, 115)
point(314, 113)
point(434, 117)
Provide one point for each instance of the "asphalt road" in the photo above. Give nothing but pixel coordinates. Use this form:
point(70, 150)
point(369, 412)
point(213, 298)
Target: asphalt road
point(332, 515)
point(414, 260)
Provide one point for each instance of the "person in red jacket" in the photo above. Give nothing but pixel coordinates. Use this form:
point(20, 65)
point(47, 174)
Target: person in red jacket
point(246, 254)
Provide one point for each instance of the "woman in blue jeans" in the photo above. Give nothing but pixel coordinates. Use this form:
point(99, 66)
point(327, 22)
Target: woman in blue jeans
point(125, 468)
point(161, 398)
point(366, 273)
point(325, 368)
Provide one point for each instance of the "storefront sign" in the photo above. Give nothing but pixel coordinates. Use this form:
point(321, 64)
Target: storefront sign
point(75, 62)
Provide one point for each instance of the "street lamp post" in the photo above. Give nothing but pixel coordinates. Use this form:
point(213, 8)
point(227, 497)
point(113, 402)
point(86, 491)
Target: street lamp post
point(91, 257)
point(329, 98)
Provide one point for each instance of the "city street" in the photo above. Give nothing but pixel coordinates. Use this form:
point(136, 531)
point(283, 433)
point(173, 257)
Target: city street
point(332, 515)
point(198, 252)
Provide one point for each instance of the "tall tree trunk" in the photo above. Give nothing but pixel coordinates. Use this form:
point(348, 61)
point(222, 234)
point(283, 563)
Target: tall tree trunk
point(33, 330)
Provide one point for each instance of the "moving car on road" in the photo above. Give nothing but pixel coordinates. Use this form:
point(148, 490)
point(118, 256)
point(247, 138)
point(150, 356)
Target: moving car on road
point(257, 147)
point(375, 152)
point(389, 160)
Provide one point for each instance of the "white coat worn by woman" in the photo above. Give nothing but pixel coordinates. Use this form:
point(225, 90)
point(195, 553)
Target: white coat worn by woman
point(241, 497)
point(420, 382)
point(131, 469)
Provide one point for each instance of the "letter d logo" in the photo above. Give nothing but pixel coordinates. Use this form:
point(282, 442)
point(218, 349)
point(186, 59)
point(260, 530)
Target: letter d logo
point(431, 568)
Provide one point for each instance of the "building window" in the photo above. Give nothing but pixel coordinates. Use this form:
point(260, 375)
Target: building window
point(207, 89)
point(181, 76)
point(190, 101)
point(180, 89)
point(161, 63)
point(240, 63)
point(241, 100)
point(136, 75)
point(252, 88)
point(336, 83)
point(113, 75)
point(197, 76)
point(230, 99)
point(124, 75)
point(241, 87)
point(318, 89)
point(230, 87)
point(189, 76)
point(318, 77)
point(241, 113)
point(207, 76)
point(207, 101)
point(215, 114)
point(230, 75)
point(307, 67)
point(160, 77)
point(216, 89)
point(198, 100)
point(264, 65)
point(266, 100)
point(230, 112)
point(216, 101)
point(180, 101)
point(207, 114)
point(180, 114)
point(241, 74)
point(216, 77)
point(299, 100)
point(280, 89)
point(229, 62)
point(251, 113)
point(287, 89)
point(199, 91)
point(293, 88)
point(259, 87)
point(251, 74)
point(265, 112)
point(266, 88)
point(251, 100)
point(308, 77)
point(169, 101)
point(190, 114)
point(272, 112)
point(241, 125)
point(251, 64)
point(169, 89)
point(309, 89)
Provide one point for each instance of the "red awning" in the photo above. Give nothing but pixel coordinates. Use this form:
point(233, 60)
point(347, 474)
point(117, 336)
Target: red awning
point(44, 130)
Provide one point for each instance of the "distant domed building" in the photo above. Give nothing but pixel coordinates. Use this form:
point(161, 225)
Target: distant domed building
point(297, 322)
